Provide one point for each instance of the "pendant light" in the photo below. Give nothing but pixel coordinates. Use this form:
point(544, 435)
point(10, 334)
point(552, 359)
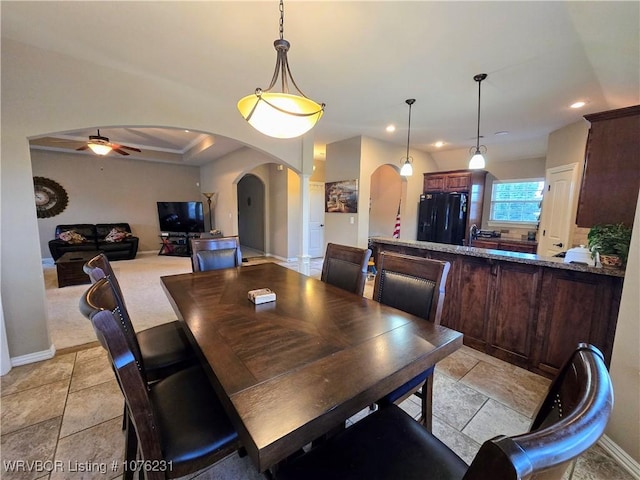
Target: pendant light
point(407, 168)
point(477, 160)
point(281, 115)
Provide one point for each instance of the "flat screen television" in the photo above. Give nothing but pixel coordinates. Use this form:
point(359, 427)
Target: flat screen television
point(181, 217)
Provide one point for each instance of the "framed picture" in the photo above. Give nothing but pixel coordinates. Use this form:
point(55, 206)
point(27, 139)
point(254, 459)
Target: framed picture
point(341, 197)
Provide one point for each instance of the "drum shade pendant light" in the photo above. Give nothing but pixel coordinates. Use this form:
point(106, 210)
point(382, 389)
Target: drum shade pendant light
point(477, 160)
point(281, 115)
point(407, 168)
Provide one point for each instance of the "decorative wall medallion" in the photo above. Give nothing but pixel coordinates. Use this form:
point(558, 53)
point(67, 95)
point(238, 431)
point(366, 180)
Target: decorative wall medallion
point(51, 197)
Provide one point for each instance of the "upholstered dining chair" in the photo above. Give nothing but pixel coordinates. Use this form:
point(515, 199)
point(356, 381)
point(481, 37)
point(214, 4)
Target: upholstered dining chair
point(414, 285)
point(177, 425)
point(389, 444)
point(163, 349)
point(346, 267)
point(215, 253)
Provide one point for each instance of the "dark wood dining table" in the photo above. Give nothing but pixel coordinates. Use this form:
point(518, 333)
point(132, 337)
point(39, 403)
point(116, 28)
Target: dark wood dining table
point(292, 370)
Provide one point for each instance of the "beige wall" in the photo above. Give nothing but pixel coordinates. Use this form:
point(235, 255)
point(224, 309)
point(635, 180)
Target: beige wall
point(624, 426)
point(113, 189)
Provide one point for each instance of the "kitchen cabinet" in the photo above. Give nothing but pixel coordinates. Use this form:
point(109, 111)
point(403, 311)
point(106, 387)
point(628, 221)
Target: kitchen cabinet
point(454, 181)
point(574, 307)
point(611, 177)
point(530, 312)
point(505, 244)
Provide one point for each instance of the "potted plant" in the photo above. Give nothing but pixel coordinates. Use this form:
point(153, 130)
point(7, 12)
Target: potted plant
point(610, 241)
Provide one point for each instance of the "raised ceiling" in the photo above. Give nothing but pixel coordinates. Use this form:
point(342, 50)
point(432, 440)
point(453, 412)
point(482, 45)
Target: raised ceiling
point(363, 59)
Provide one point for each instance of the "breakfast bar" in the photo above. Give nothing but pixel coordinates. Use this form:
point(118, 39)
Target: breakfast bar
point(523, 308)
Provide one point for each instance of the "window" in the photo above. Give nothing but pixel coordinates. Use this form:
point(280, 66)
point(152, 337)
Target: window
point(516, 201)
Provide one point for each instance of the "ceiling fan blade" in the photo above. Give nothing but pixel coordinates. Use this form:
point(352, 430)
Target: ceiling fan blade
point(83, 147)
point(120, 151)
point(134, 149)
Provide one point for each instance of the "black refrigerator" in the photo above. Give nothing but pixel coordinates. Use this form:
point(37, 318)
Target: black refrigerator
point(442, 218)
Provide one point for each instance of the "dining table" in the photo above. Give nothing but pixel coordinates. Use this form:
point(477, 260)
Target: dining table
point(292, 370)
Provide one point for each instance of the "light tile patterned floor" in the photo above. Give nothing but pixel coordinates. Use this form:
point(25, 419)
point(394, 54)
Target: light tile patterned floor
point(65, 414)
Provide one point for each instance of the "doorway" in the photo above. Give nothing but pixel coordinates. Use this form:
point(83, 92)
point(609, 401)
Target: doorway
point(557, 208)
point(316, 219)
point(251, 216)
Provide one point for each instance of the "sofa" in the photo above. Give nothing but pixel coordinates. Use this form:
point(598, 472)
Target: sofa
point(114, 239)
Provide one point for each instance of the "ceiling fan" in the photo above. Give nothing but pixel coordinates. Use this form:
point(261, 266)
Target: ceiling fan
point(101, 146)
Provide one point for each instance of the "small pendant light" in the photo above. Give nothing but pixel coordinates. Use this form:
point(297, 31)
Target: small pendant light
point(477, 160)
point(407, 168)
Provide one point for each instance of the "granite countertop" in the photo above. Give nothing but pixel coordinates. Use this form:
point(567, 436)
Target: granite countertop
point(527, 258)
point(506, 240)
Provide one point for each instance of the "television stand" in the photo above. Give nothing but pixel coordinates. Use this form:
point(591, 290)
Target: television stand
point(176, 244)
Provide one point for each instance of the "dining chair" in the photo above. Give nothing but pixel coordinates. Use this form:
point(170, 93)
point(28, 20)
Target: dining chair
point(346, 267)
point(175, 426)
point(162, 349)
point(389, 444)
point(215, 253)
point(414, 285)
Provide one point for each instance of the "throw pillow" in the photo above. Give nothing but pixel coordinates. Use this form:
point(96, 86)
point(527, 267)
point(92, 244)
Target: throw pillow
point(116, 235)
point(72, 237)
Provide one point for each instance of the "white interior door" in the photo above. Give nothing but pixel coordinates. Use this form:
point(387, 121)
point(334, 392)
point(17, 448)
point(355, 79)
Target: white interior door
point(557, 210)
point(316, 219)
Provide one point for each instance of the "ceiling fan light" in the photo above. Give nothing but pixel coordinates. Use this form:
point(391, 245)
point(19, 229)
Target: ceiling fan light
point(477, 161)
point(280, 115)
point(407, 169)
point(99, 148)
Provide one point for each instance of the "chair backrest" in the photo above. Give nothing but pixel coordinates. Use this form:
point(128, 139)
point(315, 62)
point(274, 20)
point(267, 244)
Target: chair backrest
point(571, 419)
point(346, 267)
point(131, 381)
point(98, 268)
point(215, 253)
point(102, 295)
point(414, 285)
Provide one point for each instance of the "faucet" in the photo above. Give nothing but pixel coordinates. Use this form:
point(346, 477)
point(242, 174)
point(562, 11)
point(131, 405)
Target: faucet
point(473, 233)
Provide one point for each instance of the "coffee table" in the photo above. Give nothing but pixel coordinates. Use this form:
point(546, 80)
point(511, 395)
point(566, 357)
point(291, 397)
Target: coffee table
point(69, 268)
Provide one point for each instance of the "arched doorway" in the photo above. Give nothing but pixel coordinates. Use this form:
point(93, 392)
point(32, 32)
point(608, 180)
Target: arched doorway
point(385, 194)
point(251, 213)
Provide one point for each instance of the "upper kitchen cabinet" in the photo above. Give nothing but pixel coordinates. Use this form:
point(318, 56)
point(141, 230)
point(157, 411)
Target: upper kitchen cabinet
point(461, 181)
point(611, 177)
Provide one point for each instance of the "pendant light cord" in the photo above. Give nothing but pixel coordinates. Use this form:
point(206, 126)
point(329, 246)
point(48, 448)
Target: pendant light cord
point(479, 78)
point(409, 102)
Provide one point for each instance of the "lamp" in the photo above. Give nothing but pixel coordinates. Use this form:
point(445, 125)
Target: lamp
point(209, 197)
point(99, 145)
point(280, 115)
point(477, 160)
point(407, 168)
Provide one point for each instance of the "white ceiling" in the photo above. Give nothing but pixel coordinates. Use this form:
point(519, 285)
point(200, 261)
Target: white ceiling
point(363, 59)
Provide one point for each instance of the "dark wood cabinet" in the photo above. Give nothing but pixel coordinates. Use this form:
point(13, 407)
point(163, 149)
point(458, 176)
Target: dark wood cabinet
point(454, 181)
point(513, 312)
point(575, 307)
point(611, 177)
point(529, 315)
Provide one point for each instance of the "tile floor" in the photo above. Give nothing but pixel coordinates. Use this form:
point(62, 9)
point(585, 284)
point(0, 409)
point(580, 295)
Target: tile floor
point(61, 418)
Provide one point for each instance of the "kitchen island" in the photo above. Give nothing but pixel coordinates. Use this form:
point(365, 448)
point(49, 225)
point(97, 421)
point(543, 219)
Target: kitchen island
point(526, 309)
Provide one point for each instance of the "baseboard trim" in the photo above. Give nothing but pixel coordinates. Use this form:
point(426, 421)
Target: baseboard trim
point(620, 456)
point(33, 357)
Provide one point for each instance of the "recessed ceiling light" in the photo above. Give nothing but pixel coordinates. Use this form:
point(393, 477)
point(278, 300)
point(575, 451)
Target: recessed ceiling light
point(439, 144)
point(391, 128)
point(578, 104)
point(501, 132)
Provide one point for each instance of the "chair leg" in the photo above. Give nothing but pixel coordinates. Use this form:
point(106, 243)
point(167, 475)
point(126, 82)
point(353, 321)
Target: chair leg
point(427, 403)
point(130, 448)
